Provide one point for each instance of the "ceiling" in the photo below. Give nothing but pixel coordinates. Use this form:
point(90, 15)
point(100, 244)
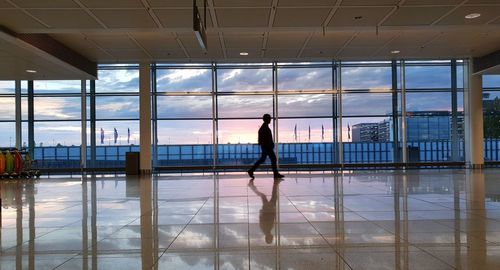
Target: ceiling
point(110, 31)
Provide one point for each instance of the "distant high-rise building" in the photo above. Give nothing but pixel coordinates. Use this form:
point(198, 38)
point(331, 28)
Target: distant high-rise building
point(365, 132)
point(421, 126)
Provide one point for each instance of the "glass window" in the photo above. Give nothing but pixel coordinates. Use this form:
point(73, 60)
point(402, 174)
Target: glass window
point(127, 133)
point(57, 87)
point(305, 79)
point(428, 101)
point(7, 87)
point(360, 104)
point(428, 77)
point(239, 131)
point(371, 78)
point(117, 107)
point(117, 80)
point(305, 105)
point(491, 81)
point(367, 139)
point(62, 134)
point(8, 134)
point(57, 108)
point(244, 80)
point(184, 80)
point(184, 132)
point(184, 106)
point(305, 130)
point(7, 108)
point(244, 106)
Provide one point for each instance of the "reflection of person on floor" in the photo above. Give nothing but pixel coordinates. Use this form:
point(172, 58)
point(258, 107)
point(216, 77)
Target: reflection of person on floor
point(267, 214)
point(267, 146)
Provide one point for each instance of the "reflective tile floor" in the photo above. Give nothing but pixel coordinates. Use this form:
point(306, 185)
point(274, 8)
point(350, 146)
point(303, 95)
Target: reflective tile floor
point(427, 219)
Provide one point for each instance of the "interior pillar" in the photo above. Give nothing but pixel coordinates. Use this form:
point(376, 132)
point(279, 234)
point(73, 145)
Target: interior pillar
point(145, 117)
point(474, 134)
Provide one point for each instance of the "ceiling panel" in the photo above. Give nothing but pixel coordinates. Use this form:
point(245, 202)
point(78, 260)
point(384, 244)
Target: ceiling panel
point(431, 2)
point(320, 52)
point(127, 18)
point(357, 52)
point(18, 20)
point(276, 54)
point(77, 42)
point(4, 4)
point(457, 17)
point(482, 2)
point(96, 55)
point(350, 16)
point(371, 39)
point(129, 55)
point(235, 53)
point(112, 3)
point(286, 40)
point(113, 42)
point(369, 2)
point(412, 39)
point(248, 17)
point(295, 3)
point(330, 39)
point(178, 18)
point(46, 4)
point(243, 41)
point(167, 54)
point(243, 3)
point(156, 41)
point(170, 3)
point(303, 17)
point(416, 16)
point(60, 18)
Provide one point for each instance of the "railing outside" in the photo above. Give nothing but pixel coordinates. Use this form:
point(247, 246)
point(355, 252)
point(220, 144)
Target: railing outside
point(245, 154)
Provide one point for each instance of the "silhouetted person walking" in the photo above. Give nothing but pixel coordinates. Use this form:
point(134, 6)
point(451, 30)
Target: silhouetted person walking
point(267, 214)
point(267, 146)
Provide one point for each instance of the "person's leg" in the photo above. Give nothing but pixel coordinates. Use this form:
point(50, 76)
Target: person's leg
point(258, 162)
point(272, 156)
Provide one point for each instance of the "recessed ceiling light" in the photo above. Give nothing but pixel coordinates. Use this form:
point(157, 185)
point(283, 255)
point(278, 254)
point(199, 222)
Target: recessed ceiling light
point(472, 15)
point(244, 53)
point(31, 71)
point(395, 51)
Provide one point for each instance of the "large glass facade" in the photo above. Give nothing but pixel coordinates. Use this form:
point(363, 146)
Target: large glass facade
point(209, 114)
point(491, 110)
point(7, 114)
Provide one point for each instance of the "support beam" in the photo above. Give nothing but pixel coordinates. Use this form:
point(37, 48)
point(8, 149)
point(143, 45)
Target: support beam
point(145, 118)
point(19, 128)
point(31, 123)
point(83, 146)
point(473, 105)
point(488, 64)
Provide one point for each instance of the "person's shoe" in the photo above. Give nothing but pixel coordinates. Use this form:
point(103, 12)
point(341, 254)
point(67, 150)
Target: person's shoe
point(250, 173)
point(278, 175)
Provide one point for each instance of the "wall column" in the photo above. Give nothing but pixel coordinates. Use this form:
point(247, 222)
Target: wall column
point(145, 117)
point(473, 106)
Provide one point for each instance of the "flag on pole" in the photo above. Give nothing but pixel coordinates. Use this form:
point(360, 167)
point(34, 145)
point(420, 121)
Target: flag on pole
point(116, 135)
point(322, 132)
point(295, 133)
point(128, 135)
point(309, 132)
point(348, 132)
point(102, 136)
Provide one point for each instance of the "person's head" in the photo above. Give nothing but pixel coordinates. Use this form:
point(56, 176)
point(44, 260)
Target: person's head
point(267, 118)
point(269, 238)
